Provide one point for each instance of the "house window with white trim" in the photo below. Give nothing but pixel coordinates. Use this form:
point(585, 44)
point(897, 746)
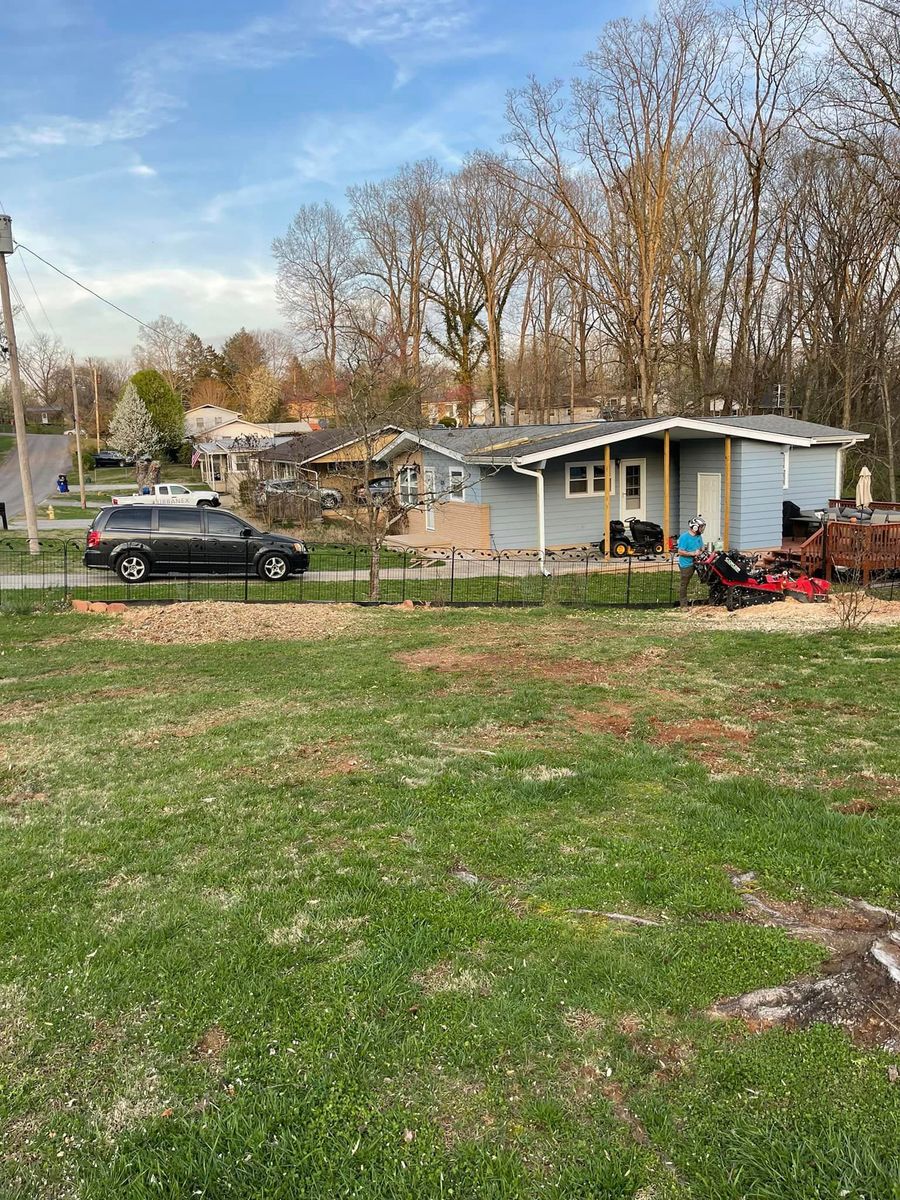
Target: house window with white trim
point(408, 486)
point(457, 489)
point(786, 467)
point(587, 479)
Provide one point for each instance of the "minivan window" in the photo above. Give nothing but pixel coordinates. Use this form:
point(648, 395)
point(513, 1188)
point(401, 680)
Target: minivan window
point(179, 520)
point(130, 516)
point(223, 524)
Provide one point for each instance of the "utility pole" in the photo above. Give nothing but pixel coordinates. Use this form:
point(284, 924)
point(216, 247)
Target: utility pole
point(77, 433)
point(96, 375)
point(6, 247)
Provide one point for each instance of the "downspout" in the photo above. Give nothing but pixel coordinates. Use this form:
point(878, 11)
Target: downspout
point(539, 476)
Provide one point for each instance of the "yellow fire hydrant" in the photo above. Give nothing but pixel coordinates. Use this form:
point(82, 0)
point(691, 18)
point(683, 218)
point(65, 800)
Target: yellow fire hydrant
point(51, 515)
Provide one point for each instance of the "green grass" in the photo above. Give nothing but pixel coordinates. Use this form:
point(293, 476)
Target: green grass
point(171, 473)
point(236, 962)
point(7, 441)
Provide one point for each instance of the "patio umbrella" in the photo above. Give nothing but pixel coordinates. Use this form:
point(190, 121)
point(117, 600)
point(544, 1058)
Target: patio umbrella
point(864, 489)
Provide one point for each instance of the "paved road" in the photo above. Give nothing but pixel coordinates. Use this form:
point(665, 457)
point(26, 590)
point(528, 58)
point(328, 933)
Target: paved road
point(49, 454)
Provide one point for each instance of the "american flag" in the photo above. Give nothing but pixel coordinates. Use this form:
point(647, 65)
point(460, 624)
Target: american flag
point(195, 457)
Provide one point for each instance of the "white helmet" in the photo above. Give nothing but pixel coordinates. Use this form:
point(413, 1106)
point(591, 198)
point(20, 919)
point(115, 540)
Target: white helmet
point(696, 524)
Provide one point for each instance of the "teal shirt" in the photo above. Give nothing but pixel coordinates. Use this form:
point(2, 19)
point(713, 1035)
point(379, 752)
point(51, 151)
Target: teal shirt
point(688, 541)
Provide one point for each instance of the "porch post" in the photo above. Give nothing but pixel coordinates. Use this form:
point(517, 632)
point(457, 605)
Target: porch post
point(726, 519)
point(607, 467)
point(666, 514)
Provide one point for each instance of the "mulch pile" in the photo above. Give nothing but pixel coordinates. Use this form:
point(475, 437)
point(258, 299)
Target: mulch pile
point(217, 621)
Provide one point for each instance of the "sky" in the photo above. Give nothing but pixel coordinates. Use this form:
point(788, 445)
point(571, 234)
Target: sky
point(154, 150)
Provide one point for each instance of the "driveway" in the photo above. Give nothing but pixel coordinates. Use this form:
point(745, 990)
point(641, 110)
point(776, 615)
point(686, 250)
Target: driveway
point(49, 453)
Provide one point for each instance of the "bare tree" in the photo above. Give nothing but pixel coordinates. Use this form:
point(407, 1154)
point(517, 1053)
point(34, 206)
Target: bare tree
point(318, 268)
point(628, 120)
point(43, 365)
point(161, 347)
point(395, 220)
point(765, 83)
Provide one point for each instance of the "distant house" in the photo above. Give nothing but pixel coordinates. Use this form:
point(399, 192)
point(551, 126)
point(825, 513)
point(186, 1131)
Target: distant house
point(205, 417)
point(544, 486)
point(215, 422)
point(237, 427)
point(325, 452)
point(45, 414)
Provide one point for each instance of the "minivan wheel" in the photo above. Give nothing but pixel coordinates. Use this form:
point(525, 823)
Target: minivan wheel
point(330, 502)
point(273, 568)
point(133, 567)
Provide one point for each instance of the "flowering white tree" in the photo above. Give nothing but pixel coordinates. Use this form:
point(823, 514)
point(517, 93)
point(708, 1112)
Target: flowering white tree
point(132, 430)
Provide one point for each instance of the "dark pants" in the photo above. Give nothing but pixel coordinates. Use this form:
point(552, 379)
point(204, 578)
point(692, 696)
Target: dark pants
point(685, 573)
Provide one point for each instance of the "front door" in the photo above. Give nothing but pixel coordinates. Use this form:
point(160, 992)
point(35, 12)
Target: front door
point(430, 489)
point(633, 488)
point(709, 504)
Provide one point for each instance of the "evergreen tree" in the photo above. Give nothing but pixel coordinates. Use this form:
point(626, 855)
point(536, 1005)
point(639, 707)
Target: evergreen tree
point(164, 406)
point(132, 430)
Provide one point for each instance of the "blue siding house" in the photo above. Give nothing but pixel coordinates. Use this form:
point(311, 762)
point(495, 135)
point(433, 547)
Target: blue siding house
point(545, 486)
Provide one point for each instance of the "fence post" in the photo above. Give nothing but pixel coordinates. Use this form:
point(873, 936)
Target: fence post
point(353, 595)
point(246, 569)
point(66, 569)
point(499, 565)
point(452, 571)
point(628, 585)
point(403, 578)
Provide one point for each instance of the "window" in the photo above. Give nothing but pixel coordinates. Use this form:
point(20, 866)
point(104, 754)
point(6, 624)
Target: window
point(180, 520)
point(586, 479)
point(786, 467)
point(632, 486)
point(222, 524)
point(457, 485)
point(130, 516)
point(408, 486)
point(176, 490)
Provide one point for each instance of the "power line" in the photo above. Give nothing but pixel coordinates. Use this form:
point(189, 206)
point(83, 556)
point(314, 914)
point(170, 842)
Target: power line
point(17, 296)
point(37, 297)
point(84, 287)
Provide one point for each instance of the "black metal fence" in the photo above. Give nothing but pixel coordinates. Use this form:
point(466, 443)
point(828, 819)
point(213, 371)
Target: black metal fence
point(346, 573)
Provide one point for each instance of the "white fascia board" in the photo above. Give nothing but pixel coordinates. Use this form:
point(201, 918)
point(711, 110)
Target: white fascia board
point(841, 441)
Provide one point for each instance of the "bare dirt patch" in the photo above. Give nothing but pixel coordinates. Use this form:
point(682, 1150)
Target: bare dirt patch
point(706, 734)
point(211, 1046)
point(445, 976)
point(858, 988)
point(204, 622)
point(616, 719)
point(519, 662)
point(856, 808)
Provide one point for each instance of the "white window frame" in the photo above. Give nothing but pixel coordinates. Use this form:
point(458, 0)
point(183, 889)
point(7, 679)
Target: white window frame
point(456, 493)
point(403, 475)
point(785, 467)
point(592, 491)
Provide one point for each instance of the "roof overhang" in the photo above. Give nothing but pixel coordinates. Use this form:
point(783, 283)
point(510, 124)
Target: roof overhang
point(414, 440)
point(683, 425)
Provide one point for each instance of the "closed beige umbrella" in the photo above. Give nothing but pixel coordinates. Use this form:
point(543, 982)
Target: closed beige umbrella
point(864, 489)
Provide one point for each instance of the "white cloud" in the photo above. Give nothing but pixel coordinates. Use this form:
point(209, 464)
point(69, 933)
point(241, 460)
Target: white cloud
point(143, 171)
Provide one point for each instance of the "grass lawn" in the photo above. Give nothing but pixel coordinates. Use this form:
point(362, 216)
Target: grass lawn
point(116, 477)
point(295, 920)
point(7, 441)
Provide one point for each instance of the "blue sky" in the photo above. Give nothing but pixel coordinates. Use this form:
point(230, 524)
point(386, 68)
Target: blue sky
point(154, 150)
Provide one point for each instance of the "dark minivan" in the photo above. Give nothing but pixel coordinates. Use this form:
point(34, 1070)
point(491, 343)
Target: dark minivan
point(138, 540)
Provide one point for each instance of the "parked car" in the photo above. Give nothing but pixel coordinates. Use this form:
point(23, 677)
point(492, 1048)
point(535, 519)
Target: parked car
point(112, 458)
point(172, 493)
point(326, 496)
point(380, 489)
point(137, 541)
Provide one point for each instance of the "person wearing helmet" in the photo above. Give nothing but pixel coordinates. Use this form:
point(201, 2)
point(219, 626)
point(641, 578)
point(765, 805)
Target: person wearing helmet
point(689, 549)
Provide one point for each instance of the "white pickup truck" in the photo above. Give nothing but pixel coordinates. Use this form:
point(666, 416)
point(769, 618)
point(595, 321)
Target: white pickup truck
point(172, 493)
